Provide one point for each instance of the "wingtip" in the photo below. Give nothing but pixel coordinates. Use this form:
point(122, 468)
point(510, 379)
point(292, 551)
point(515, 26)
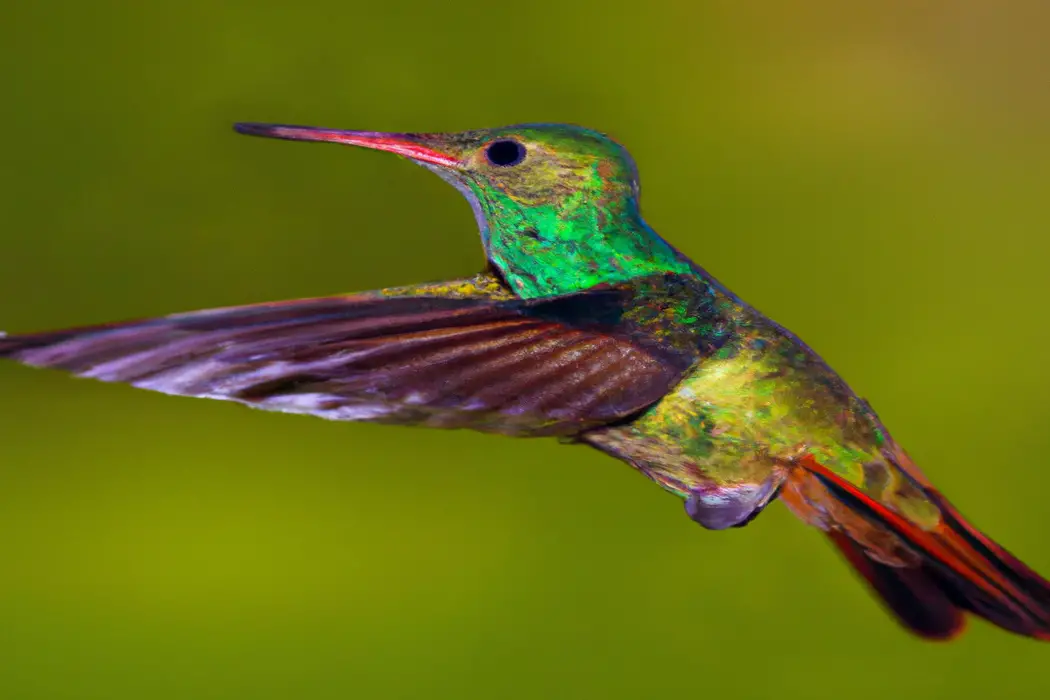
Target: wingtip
point(11, 346)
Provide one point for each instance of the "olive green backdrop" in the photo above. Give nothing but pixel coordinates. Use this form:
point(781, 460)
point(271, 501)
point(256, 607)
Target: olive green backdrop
point(873, 175)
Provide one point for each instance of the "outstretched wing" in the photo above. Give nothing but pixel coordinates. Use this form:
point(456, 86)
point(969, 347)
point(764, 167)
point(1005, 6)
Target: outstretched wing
point(441, 355)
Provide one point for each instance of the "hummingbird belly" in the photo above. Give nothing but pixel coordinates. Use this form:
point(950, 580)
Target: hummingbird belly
point(743, 416)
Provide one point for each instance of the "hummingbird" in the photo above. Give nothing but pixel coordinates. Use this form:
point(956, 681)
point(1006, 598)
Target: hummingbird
point(587, 326)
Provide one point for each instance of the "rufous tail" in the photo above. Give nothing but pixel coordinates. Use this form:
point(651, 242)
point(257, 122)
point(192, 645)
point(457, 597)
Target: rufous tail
point(954, 570)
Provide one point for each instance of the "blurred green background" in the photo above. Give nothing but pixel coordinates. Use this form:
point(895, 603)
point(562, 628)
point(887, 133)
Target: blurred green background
point(873, 175)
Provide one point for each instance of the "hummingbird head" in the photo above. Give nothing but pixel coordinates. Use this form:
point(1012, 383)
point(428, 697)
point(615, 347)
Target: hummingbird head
point(557, 205)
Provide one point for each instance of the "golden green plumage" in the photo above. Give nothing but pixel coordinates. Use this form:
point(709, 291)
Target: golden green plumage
point(750, 411)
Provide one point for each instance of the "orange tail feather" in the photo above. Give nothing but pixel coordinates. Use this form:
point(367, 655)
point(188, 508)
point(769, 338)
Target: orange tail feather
point(957, 569)
point(912, 594)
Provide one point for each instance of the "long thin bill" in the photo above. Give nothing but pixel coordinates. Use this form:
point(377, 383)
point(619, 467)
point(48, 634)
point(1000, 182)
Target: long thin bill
point(407, 145)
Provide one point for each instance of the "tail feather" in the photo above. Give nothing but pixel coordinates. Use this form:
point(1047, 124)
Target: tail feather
point(956, 569)
point(912, 594)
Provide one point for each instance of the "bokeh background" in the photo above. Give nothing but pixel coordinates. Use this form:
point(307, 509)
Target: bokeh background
point(873, 175)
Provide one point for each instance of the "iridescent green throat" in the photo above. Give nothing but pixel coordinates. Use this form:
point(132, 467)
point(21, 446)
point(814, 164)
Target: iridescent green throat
point(580, 230)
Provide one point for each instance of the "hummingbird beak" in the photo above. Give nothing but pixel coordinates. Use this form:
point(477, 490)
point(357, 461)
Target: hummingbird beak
point(413, 146)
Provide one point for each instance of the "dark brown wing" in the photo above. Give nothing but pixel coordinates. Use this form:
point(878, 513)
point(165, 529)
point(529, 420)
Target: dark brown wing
point(539, 367)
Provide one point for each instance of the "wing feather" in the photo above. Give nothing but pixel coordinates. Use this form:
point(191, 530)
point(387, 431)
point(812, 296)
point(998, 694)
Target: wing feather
point(523, 367)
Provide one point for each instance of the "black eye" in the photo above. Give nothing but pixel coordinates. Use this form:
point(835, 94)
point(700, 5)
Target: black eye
point(505, 153)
